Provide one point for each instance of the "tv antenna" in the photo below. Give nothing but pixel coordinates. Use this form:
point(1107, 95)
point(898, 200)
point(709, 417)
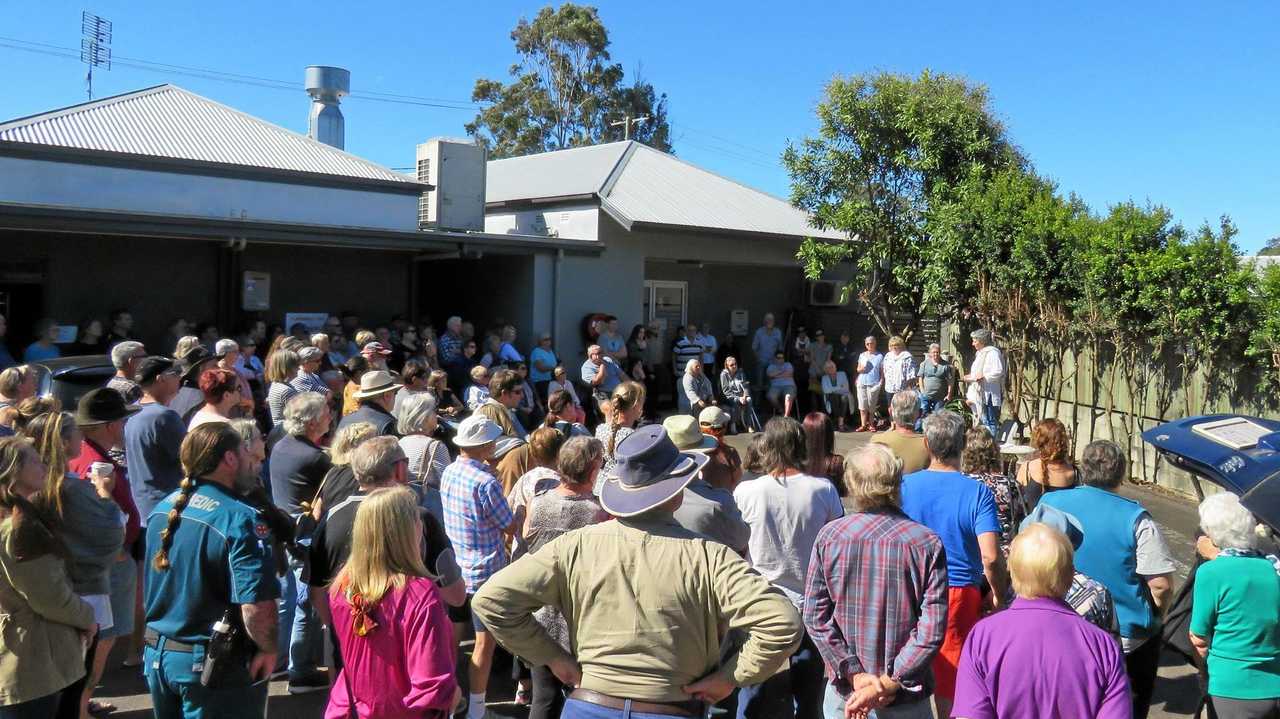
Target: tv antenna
point(95, 45)
point(626, 122)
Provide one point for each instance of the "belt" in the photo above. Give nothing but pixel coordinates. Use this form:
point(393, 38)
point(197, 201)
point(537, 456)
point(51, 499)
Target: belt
point(153, 640)
point(689, 708)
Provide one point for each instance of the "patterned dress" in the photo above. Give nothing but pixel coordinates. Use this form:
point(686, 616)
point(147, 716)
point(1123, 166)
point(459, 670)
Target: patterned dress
point(1010, 507)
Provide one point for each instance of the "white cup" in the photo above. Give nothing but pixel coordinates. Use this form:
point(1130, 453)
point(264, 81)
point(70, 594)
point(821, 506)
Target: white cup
point(102, 469)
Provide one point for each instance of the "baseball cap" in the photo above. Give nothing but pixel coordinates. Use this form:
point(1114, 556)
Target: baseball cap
point(375, 348)
point(713, 417)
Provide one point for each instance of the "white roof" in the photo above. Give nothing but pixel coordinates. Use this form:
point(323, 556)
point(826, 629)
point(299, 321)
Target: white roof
point(636, 183)
point(167, 121)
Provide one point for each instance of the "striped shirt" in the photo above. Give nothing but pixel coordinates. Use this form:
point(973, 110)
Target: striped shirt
point(875, 599)
point(279, 394)
point(308, 382)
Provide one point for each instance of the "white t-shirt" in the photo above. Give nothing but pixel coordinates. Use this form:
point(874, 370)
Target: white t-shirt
point(990, 365)
point(785, 515)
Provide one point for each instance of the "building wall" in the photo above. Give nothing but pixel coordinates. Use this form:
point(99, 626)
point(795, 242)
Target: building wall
point(43, 182)
point(575, 221)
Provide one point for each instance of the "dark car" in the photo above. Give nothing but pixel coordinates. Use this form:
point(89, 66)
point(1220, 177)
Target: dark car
point(70, 378)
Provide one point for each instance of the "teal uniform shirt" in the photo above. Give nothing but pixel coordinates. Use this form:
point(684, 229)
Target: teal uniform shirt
point(220, 556)
point(1235, 606)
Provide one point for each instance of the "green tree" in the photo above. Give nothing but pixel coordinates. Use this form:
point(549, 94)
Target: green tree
point(889, 147)
point(1271, 248)
point(565, 91)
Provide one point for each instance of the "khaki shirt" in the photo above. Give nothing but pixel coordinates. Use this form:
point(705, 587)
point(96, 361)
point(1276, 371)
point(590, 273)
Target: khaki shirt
point(910, 448)
point(645, 600)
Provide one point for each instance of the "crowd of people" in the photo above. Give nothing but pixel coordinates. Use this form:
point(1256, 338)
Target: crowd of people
point(217, 511)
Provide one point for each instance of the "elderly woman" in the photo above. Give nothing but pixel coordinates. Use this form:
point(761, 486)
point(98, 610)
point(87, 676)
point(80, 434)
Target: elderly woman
point(835, 393)
point(933, 380)
point(981, 460)
point(560, 383)
point(737, 394)
point(428, 457)
point(696, 393)
point(899, 367)
point(1039, 653)
point(1235, 613)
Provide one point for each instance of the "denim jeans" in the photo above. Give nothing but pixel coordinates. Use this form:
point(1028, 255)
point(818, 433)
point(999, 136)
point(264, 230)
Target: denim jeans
point(574, 709)
point(306, 642)
point(991, 417)
point(173, 679)
point(927, 407)
point(833, 708)
point(795, 692)
point(287, 608)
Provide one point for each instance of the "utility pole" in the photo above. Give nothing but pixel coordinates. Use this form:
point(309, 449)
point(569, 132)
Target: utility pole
point(95, 45)
point(626, 123)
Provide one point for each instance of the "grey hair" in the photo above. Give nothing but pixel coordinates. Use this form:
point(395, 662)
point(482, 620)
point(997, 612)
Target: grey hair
point(905, 408)
point(576, 457)
point(1102, 464)
point(1226, 521)
point(247, 429)
point(303, 409)
point(415, 410)
point(120, 353)
point(374, 461)
point(454, 320)
point(982, 335)
point(932, 345)
point(944, 435)
point(688, 366)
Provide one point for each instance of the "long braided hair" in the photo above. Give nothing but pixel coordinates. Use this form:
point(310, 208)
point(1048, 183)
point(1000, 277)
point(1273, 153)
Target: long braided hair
point(626, 396)
point(201, 453)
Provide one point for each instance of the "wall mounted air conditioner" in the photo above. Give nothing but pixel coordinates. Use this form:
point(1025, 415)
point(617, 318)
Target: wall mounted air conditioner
point(825, 293)
point(457, 169)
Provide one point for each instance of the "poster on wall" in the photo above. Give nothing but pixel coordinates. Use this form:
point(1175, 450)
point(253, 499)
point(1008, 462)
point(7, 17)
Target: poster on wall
point(255, 294)
point(313, 321)
point(738, 322)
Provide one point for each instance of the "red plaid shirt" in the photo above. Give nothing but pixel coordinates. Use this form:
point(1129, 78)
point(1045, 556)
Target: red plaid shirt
point(875, 598)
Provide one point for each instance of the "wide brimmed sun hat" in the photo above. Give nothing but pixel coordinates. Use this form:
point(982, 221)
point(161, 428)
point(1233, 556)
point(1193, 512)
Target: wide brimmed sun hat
point(649, 470)
point(687, 435)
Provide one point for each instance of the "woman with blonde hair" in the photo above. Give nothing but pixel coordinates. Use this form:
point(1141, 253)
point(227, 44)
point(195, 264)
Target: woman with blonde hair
point(1052, 469)
point(282, 368)
point(626, 406)
point(340, 481)
point(85, 517)
point(390, 623)
point(47, 627)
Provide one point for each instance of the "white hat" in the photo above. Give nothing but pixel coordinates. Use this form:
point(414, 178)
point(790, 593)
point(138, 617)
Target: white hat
point(376, 383)
point(713, 416)
point(476, 430)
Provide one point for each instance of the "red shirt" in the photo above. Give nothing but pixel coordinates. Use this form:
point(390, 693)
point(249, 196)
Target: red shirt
point(90, 453)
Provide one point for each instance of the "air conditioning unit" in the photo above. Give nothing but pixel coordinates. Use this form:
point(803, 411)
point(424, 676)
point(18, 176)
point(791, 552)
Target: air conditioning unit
point(825, 293)
point(457, 170)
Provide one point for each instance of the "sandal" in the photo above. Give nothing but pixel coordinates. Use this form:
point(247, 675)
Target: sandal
point(524, 697)
point(97, 708)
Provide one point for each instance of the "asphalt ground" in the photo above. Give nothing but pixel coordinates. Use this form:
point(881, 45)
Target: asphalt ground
point(1177, 693)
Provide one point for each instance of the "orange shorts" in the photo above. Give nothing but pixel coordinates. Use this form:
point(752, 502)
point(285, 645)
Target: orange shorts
point(964, 605)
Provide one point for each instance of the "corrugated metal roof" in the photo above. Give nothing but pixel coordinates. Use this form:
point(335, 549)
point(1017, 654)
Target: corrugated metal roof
point(637, 183)
point(565, 173)
point(168, 121)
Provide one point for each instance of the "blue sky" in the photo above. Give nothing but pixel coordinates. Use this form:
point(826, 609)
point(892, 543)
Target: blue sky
point(1176, 103)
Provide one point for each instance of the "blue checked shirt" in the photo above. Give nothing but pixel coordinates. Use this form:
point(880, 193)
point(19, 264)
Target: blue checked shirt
point(475, 513)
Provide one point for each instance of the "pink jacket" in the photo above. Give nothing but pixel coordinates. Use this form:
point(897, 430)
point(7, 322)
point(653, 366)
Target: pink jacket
point(405, 666)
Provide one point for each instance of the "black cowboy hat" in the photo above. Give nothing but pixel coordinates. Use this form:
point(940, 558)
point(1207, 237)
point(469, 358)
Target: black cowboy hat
point(101, 406)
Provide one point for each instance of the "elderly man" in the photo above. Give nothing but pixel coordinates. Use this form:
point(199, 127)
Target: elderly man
point(902, 438)
point(869, 383)
point(708, 508)
point(601, 374)
point(987, 375)
point(962, 513)
point(505, 393)
point(126, 357)
point(1038, 657)
point(378, 463)
point(875, 600)
point(688, 346)
point(298, 467)
point(478, 522)
point(673, 591)
point(1123, 549)
point(375, 398)
point(765, 343)
point(695, 393)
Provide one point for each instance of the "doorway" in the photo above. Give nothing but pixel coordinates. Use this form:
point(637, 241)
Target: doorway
point(666, 307)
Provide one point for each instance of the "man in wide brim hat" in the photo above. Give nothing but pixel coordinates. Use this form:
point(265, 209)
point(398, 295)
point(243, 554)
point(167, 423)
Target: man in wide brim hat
point(376, 397)
point(103, 406)
point(646, 598)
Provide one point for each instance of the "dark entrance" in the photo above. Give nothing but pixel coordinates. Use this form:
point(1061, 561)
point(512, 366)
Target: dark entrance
point(21, 302)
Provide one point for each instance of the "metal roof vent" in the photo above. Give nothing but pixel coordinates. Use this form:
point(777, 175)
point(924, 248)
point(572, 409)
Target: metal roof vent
point(326, 86)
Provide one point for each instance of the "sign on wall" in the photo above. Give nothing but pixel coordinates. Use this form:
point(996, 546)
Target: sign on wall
point(255, 295)
point(739, 322)
point(313, 321)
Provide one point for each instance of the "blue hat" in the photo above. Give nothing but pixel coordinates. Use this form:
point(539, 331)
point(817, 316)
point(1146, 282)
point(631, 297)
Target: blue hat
point(1059, 520)
point(648, 471)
